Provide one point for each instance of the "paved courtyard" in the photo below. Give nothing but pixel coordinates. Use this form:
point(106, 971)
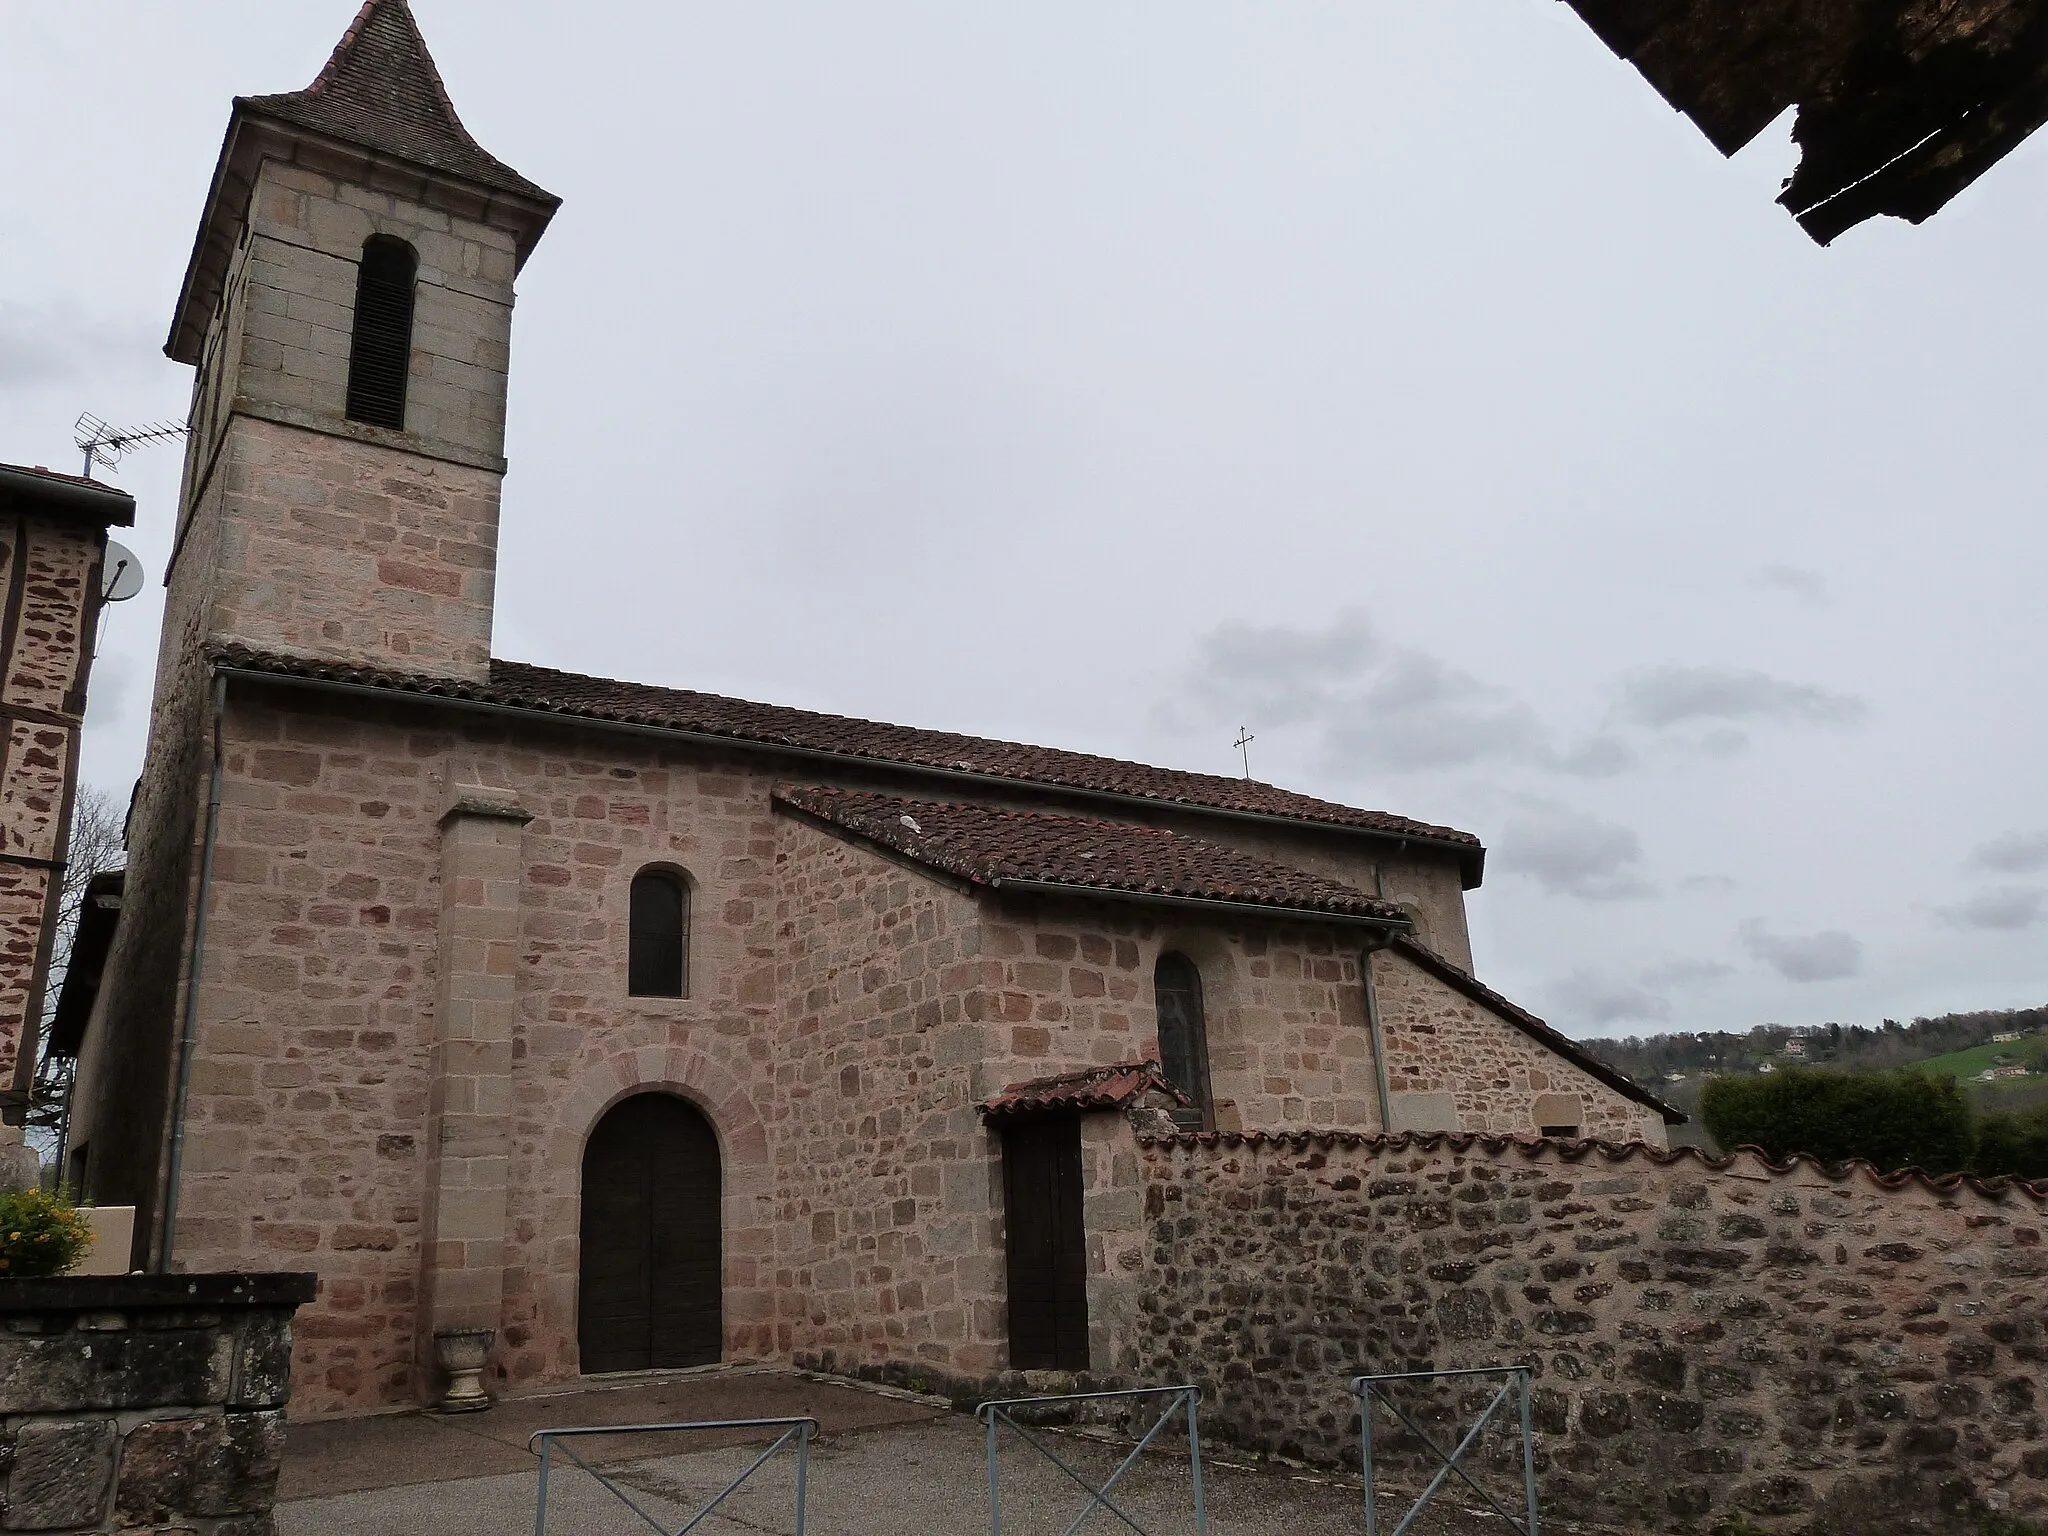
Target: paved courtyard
point(881, 1464)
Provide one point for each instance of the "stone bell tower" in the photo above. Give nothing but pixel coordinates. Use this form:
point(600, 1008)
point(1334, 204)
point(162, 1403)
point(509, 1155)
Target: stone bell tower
point(348, 306)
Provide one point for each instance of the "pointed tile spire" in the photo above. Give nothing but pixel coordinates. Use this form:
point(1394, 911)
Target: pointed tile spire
point(376, 112)
point(381, 90)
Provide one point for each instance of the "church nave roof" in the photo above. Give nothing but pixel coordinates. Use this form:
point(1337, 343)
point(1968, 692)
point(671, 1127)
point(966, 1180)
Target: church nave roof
point(996, 848)
point(544, 690)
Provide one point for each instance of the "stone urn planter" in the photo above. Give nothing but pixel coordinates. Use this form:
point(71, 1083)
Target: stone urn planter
point(462, 1353)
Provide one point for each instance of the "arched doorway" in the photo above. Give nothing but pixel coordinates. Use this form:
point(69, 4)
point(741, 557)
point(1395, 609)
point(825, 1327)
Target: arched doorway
point(652, 1270)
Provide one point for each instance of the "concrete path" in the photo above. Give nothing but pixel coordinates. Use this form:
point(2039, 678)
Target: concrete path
point(883, 1465)
point(400, 1449)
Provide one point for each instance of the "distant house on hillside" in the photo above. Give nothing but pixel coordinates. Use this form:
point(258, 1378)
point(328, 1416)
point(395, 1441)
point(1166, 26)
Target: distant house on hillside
point(1990, 1074)
point(1795, 1047)
point(1765, 1066)
point(2006, 1035)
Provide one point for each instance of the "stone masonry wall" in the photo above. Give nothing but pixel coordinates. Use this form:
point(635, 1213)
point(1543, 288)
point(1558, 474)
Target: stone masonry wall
point(1815, 1352)
point(887, 1188)
point(153, 1406)
point(1071, 985)
point(353, 551)
point(1423, 881)
point(844, 1014)
point(1454, 1064)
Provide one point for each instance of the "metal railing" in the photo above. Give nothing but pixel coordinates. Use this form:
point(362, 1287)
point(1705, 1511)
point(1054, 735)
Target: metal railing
point(1183, 1397)
point(800, 1430)
point(1366, 1388)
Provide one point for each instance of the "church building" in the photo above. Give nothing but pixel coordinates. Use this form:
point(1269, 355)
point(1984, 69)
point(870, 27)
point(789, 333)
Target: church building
point(643, 1027)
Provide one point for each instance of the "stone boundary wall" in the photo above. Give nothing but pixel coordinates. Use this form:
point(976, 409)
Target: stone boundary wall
point(1817, 1351)
point(152, 1405)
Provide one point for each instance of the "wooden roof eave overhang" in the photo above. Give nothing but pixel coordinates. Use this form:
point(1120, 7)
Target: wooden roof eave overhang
point(1901, 105)
point(1471, 856)
point(41, 492)
point(253, 137)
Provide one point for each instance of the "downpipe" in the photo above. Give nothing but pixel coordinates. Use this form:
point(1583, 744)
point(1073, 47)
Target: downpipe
point(1372, 1026)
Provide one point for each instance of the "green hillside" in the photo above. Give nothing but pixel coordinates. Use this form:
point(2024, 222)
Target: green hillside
point(1965, 1065)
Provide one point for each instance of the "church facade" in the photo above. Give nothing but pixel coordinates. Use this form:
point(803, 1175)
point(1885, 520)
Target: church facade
point(645, 1027)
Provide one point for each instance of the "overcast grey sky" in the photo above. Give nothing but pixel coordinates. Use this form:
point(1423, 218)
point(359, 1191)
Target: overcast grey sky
point(1402, 381)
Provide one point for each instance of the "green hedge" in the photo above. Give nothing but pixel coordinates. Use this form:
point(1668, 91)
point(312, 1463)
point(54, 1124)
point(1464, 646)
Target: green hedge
point(1893, 1120)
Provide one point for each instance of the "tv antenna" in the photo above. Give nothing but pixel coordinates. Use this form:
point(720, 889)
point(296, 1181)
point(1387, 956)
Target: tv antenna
point(1244, 744)
point(106, 446)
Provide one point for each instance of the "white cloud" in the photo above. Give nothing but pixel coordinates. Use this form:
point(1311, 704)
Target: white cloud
point(2013, 853)
point(1999, 910)
point(1830, 955)
point(1661, 697)
point(1584, 999)
point(1794, 579)
point(1571, 853)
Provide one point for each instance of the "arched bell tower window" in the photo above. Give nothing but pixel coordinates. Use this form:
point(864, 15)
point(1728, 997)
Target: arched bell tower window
point(658, 934)
point(1183, 1034)
point(380, 353)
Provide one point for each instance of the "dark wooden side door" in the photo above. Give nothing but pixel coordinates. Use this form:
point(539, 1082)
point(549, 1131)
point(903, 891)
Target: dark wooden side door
point(1048, 1245)
point(652, 1269)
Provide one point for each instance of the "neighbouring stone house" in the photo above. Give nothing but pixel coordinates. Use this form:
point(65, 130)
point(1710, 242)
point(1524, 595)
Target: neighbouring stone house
point(644, 1026)
point(53, 544)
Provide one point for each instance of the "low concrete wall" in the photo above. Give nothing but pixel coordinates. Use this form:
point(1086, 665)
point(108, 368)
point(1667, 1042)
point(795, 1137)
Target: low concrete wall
point(1820, 1352)
point(145, 1403)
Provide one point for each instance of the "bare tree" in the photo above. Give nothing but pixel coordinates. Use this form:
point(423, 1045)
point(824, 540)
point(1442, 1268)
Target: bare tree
point(95, 848)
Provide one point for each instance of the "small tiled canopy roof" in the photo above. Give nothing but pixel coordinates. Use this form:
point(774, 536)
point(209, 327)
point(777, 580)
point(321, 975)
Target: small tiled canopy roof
point(1098, 1088)
point(996, 848)
point(807, 733)
point(380, 89)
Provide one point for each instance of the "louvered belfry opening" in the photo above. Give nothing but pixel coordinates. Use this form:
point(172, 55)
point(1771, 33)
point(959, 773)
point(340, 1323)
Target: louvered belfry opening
point(380, 354)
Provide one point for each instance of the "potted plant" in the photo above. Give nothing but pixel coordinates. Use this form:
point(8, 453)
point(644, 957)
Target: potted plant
point(40, 1234)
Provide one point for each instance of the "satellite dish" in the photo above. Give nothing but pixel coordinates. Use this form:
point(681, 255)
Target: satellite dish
point(121, 575)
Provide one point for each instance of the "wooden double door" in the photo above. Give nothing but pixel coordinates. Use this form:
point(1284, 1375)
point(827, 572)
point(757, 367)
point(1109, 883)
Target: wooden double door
point(652, 1274)
point(1047, 1245)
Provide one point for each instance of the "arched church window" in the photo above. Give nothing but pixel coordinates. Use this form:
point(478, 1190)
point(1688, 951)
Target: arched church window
point(658, 934)
point(1183, 1034)
point(380, 353)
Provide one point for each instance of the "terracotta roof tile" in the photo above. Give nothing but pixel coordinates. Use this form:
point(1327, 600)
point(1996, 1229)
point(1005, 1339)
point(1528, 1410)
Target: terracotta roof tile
point(1576, 1149)
point(806, 731)
point(380, 89)
point(992, 847)
point(1098, 1088)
